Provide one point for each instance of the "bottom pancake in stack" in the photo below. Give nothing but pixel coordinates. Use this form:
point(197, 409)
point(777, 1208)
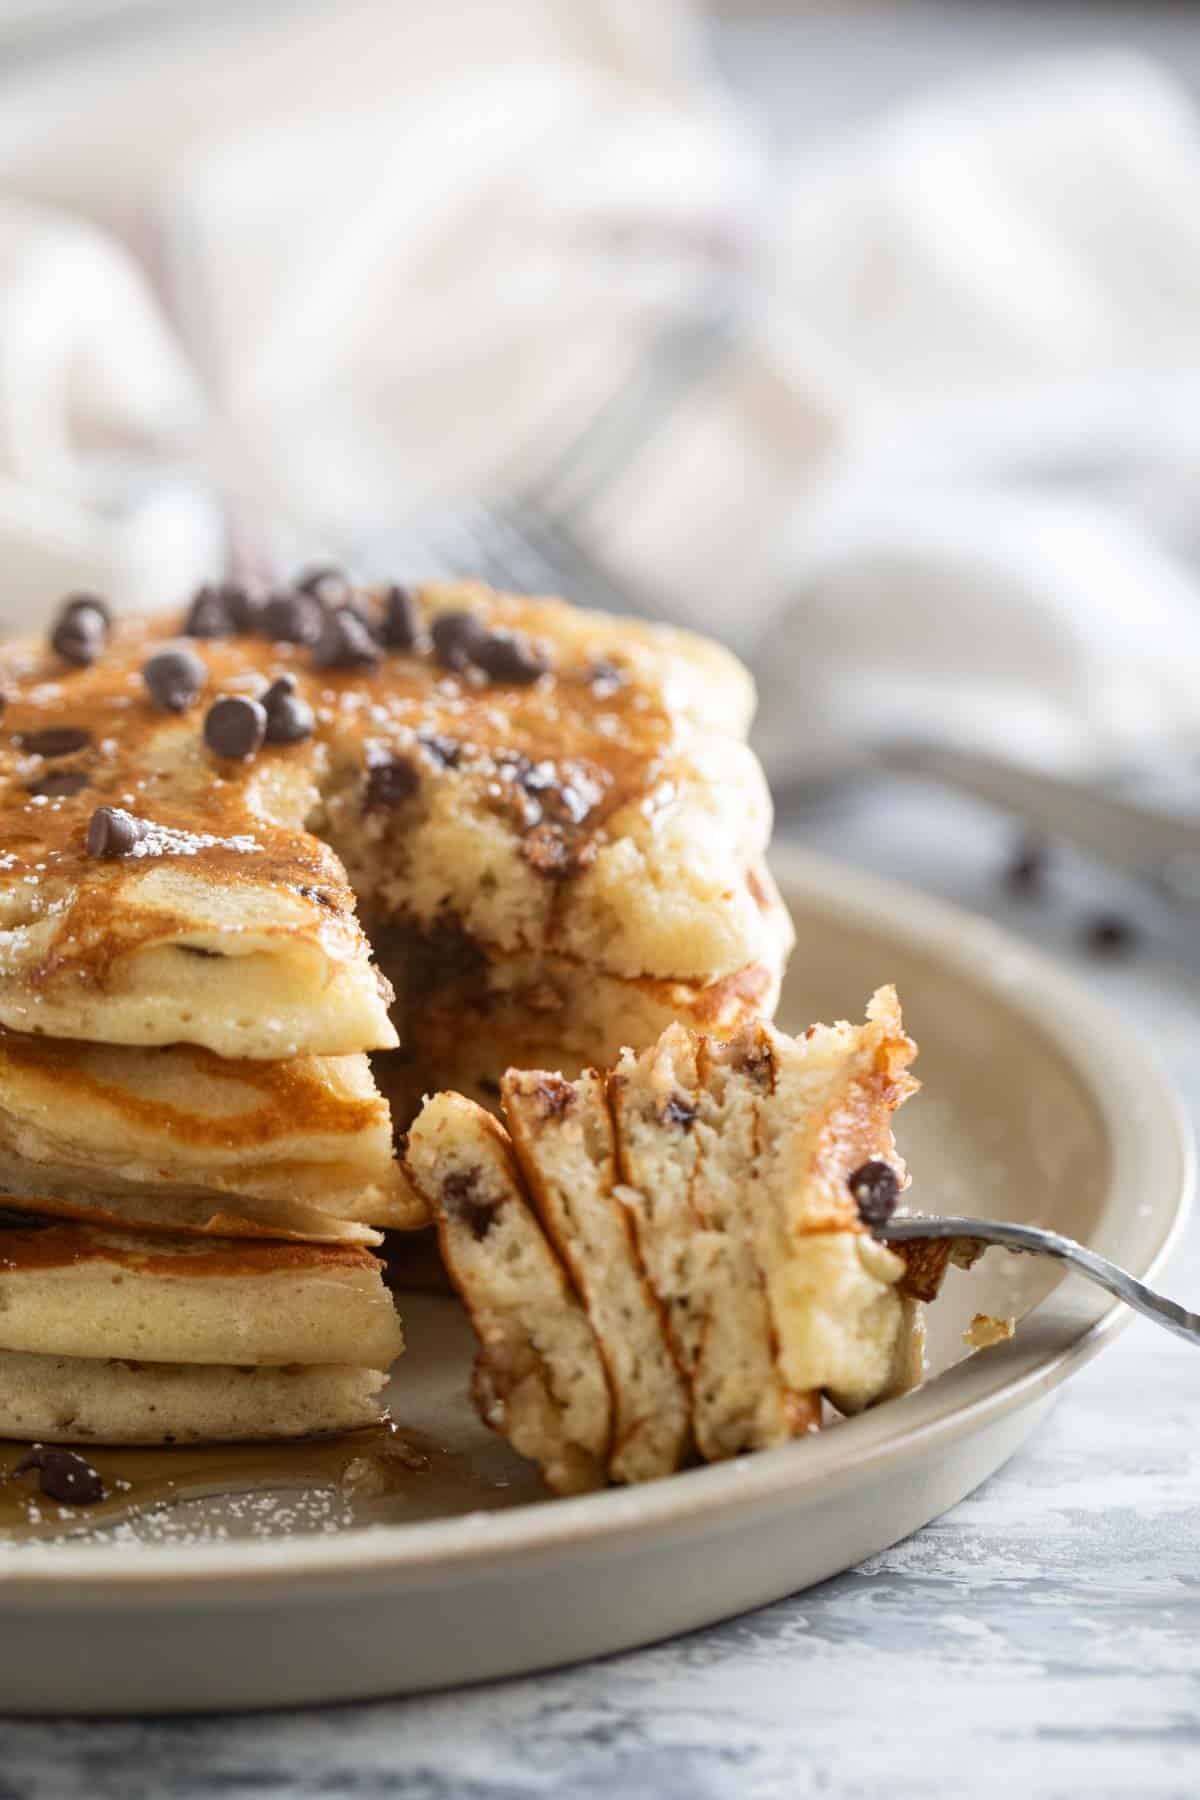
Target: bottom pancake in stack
point(114, 1337)
point(185, 1245)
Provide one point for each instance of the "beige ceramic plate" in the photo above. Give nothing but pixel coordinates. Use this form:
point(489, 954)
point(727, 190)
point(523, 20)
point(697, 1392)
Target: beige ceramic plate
point(1036, 1106)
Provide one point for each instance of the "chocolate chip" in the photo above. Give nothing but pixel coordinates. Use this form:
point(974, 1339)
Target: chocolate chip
point(456, 637)
point(326, 583)
point(345, 641)
point(679, 1111)
point(1110, 935)
point(81, 629)
point(235, 727)
point(464, 1203)
point(56, 740)
point(291, 618)
point(508, 657)
point(289, 718)
point(445, 752)
point(244, 605)
point(175, 677)
point(1025, 875)
point(63, 1475)
point(390, 783)
point(58, 784)
point(401, 621)
point(875, 1189)
point(113, 832)
point(209, 615)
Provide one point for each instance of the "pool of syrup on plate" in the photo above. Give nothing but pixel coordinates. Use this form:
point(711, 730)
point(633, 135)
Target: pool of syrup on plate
point(386, 1472)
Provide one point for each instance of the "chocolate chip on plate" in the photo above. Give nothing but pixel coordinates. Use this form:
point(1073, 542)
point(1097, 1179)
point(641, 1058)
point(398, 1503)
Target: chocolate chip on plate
point(1025, 875)
point(63, 1475)
point(113, 832)
point(875, 1190)
point(401, 626)
point(390, 783)
point(345, 641)
point(55, 740)
point(456, 638)
point(289, 718)
point(58, 784)
point(506, 656)
point(175, 677)
point(81, 629)
point(235, 727)
point(1109, 934)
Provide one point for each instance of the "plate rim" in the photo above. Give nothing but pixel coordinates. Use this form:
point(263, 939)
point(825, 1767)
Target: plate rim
point(965, 1397)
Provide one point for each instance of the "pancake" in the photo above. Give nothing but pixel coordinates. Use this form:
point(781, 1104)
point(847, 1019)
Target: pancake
point(570, 792)
point(749, 1171)
point(67, 1290)
point(186, 1140)
point(563, 1136)
point(65, 1400)
point(539, 1379)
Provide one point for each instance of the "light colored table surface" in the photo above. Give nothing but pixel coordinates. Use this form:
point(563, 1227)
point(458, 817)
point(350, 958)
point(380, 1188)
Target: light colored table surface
point(1041, 1640)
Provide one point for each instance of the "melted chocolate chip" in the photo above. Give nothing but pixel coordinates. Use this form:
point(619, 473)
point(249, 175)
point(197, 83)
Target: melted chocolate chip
point(326, 583)
point(345, 641)
point(113, 832)
point(289, 718)
point(445, 752)
point(209, 615)
point(875, 1189)
point(679, 1111)
point(58, 784)
point(506, 656)
point(1109, 934)
point(401, 625)
point(175, 677)
point(81, 629)
point(291, 618)
point(464, 1203)
point(63, 1475)
point(318, 896)
point(391, 783)
point(55, 740)
point(235, 727)
point(456, 637)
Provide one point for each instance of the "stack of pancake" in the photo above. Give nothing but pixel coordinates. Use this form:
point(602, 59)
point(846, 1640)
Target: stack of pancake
point(546, 821)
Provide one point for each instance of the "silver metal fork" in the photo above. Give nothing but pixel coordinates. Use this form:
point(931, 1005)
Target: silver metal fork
point(1033, 1239)
point(527, 542)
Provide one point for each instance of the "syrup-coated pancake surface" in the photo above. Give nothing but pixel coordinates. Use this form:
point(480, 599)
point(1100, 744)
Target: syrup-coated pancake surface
point(604, 814)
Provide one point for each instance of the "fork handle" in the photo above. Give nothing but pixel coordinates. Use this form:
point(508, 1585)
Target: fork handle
point(1145, 841)
point(1033, 1238)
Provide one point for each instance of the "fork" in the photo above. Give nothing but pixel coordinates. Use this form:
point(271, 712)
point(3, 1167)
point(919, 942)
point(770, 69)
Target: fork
point(1034, 1239)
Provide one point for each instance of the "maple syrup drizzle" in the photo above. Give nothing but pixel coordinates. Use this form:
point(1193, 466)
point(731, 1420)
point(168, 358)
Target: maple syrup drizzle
point(379, 1473)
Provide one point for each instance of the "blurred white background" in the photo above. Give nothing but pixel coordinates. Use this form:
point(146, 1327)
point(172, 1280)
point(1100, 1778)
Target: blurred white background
point(298, 276)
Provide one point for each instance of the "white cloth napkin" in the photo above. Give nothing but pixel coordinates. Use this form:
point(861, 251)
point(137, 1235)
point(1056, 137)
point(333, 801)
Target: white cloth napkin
point(332, 264)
